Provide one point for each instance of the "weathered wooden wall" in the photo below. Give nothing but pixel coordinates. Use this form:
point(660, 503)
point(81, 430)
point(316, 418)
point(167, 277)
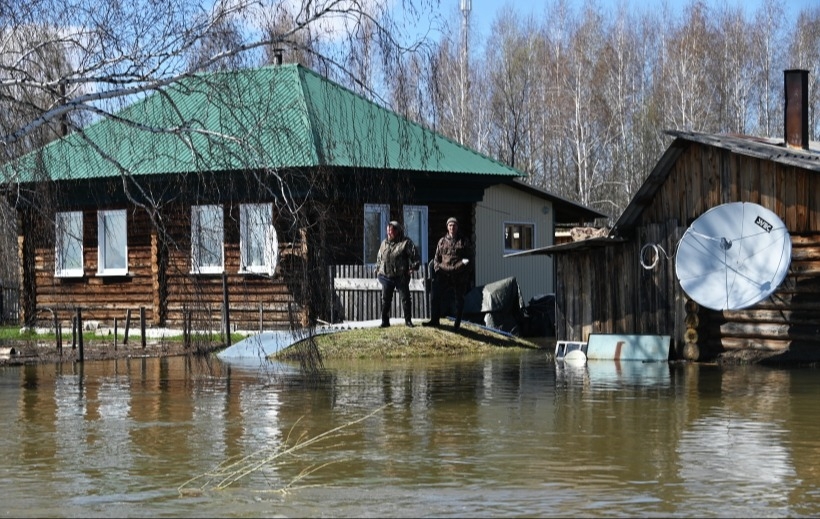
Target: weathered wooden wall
point(101, 298)
point(624, 288)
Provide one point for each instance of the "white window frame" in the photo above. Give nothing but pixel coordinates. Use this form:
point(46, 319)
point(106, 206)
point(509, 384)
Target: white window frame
point(256, 233)
point(415, 227)
point(207, 234)
point(112, 238)
point(68, 245)
point(507, 225)
point(374, 214)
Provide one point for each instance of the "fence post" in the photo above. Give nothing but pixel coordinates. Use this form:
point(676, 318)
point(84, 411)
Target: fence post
point(142, 325)
point(226, 312)
point(80, 332)
point(127, 326)
point(58, 330)
point(426, 270)
point(330, 271)
point(186, 330)
point(116, 322)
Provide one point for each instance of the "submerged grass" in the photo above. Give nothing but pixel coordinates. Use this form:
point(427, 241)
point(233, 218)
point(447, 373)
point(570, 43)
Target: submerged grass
point(399, 341)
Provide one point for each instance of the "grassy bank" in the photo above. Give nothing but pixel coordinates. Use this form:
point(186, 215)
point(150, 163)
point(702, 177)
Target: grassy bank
point(399, 341)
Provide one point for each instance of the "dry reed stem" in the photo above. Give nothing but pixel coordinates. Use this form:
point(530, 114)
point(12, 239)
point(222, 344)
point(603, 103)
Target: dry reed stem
point(234, 469)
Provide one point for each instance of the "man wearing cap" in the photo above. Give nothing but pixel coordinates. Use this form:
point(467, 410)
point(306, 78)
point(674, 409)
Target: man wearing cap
point(452, 265)
point(396, 261)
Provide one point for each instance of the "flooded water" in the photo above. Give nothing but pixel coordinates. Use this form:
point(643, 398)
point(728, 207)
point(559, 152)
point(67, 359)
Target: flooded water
point(509, 435)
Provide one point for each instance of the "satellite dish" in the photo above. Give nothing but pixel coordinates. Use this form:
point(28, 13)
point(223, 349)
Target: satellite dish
point(733, 256)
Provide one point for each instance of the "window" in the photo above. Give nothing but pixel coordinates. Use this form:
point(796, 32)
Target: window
point(415, 227)
point(519, 236)
point(376, 217)
point(68, 254)
point(112, 252)
point(207, 256)
point(258, 244)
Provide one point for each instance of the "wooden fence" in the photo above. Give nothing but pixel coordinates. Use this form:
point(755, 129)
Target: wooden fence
point(9, 305)
point(355, 291)
point(357, 294)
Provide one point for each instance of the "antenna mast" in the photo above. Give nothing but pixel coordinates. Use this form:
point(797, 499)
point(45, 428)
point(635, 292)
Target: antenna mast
point(466, 6)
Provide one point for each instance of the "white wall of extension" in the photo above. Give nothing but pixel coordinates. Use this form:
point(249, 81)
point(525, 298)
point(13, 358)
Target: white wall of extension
point(504, 204)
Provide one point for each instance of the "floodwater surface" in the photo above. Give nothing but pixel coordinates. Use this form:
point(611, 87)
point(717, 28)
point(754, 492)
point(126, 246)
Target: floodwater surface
point(512, 435)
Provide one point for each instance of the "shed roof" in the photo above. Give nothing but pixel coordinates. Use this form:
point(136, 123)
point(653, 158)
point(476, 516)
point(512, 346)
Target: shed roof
point(281, 116)
point(762, 148)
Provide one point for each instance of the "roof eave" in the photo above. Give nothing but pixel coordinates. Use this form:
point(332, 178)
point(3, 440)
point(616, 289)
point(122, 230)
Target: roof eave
point(591, 243)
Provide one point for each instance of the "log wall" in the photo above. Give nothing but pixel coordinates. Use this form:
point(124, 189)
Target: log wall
point(160, 281)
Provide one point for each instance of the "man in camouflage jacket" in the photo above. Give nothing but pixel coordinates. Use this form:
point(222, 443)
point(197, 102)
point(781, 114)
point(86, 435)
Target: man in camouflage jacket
point(452, 265)
point(396, 261)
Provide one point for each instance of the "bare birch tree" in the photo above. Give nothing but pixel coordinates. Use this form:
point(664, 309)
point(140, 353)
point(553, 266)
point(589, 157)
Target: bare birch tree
point(768, 49)
point(804, 52)
point(69, 62)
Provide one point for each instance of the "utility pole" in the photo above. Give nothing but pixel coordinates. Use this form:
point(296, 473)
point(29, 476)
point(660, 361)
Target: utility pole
point(466, 6)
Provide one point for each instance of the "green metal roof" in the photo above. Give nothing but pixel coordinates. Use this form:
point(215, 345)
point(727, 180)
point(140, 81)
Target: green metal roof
point(281, 116)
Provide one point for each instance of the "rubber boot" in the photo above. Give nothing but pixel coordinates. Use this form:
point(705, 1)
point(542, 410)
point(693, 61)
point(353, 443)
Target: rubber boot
point(435, 306)
point(387, 300)
point(434, 316)
point(459, 312)
point(408, 314)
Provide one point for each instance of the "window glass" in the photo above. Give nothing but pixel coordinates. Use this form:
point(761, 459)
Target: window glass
point(69, 244)
point(415, 227)
point(258, 243)
point(376, 217)
point(519, 236)
point(207, 239)
point(113, 242)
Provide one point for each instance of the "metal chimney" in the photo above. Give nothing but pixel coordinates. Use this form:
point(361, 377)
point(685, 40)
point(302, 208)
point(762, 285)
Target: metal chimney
point(796, 117)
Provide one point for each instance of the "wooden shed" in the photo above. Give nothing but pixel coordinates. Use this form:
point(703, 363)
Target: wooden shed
point(609, 285)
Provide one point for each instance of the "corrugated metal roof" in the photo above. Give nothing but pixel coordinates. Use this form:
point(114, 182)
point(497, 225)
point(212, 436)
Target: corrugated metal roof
point(281, 116)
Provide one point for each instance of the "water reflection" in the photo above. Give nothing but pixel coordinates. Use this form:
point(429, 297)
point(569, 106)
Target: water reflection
point(512, 434)
point(606, 373)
